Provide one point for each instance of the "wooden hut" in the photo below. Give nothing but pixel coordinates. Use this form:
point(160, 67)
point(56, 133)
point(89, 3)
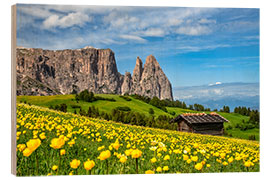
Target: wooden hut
point(200, 123)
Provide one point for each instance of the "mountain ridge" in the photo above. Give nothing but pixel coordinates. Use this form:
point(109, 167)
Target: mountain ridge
point(71, 71)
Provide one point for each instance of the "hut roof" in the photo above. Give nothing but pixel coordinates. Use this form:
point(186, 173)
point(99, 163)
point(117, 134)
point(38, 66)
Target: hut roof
point(194, 118)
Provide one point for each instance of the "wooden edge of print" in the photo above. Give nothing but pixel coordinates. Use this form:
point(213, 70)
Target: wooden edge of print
point(13, 89)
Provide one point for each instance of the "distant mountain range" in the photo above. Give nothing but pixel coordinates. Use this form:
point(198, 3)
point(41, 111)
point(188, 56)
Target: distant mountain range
point(215, 96)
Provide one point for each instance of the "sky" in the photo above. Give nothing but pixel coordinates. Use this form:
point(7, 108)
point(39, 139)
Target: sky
point(194, 46)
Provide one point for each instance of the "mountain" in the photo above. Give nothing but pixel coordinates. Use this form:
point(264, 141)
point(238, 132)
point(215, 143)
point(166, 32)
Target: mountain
point(50, 72)
point(215, 96)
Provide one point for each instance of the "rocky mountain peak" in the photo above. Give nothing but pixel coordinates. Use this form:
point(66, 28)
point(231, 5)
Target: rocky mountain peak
point(48, 72)
point(151, 60)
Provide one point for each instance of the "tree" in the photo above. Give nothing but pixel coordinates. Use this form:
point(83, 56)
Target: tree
point(151, 111)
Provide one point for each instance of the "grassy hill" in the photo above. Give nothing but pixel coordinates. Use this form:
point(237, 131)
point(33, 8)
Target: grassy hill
point(117, 148)
point(137, 106)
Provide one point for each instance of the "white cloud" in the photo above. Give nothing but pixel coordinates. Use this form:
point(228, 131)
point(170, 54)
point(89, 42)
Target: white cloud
point(175, 22)
point(206, 21)
point(69, 20)
point(154, 32)
point(132, 37)
point(218, 91)
point(194, 30)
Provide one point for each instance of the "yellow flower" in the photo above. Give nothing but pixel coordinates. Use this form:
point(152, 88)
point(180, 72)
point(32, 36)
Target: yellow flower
point(33, 144)
point(42, 136)
point(225, 163)
point(75, 163)
point(159, 169)
point(62, 152)
point(116, 145)
point(27, 152)
point(222, 155)
point(189, 161)
point(57, 143)
point(230, 160)
point(100, 148)
point(185, 157)
point(123, 159)
point(198, 166)
point(208, 165)
point(247, 163)
point(71, 173)
point(104, 155)
point(54, 167)
point(194, 158)
point(136, 153)
point(19, 133)
point(196, 145)
point(153, 160)
point(21, 147)
point(167, 157)
point(165, 168)
point(149, 172)
point(128, 152)
point(88, 165)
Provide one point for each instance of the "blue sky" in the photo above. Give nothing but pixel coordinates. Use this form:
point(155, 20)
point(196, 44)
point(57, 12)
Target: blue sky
point(194, 46)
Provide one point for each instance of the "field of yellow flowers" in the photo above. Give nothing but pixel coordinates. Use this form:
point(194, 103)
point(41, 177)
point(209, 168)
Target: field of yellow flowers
point(55, 143)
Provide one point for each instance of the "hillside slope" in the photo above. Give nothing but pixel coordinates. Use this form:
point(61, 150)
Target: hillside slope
point(137, 106)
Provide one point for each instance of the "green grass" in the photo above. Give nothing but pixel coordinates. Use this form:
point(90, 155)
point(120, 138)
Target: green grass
point(135, 105)
point(103, 105)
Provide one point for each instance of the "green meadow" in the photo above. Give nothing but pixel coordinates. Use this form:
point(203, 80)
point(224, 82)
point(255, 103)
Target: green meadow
point(137, 106)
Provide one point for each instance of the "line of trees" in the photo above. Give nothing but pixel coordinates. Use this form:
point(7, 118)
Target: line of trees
point(162, 104)
point(130, 117)
point(87, 96)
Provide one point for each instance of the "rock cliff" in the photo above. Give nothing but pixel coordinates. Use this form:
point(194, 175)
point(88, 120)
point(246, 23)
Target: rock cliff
point(49, 72)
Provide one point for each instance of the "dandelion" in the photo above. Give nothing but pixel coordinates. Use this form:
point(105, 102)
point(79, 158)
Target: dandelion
point(128, 152)
point(33, 144)
point(165, 168)
point(149, 172)
point(194, 158)
point(104, 155)
point(230, 160)
point(75, 163)
point(57, 143)
point(123, 159)
point(225, 163)
point(88, 165)
point(21, 147)
point(159, 169)
point(185, 157)
point(62, 152)
point(54, 167)
point(167, 157)
point(198, 166)
point(247, 164)
point(153, 160)
point(27, 152)
point(136, 153)
point(116, 145)
point(42, 136)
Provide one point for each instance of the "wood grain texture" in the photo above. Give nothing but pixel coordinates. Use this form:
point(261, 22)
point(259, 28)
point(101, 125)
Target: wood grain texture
point(13, 89)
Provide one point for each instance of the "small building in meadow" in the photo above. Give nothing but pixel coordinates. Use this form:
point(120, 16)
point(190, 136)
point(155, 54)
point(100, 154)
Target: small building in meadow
point(202, 123)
